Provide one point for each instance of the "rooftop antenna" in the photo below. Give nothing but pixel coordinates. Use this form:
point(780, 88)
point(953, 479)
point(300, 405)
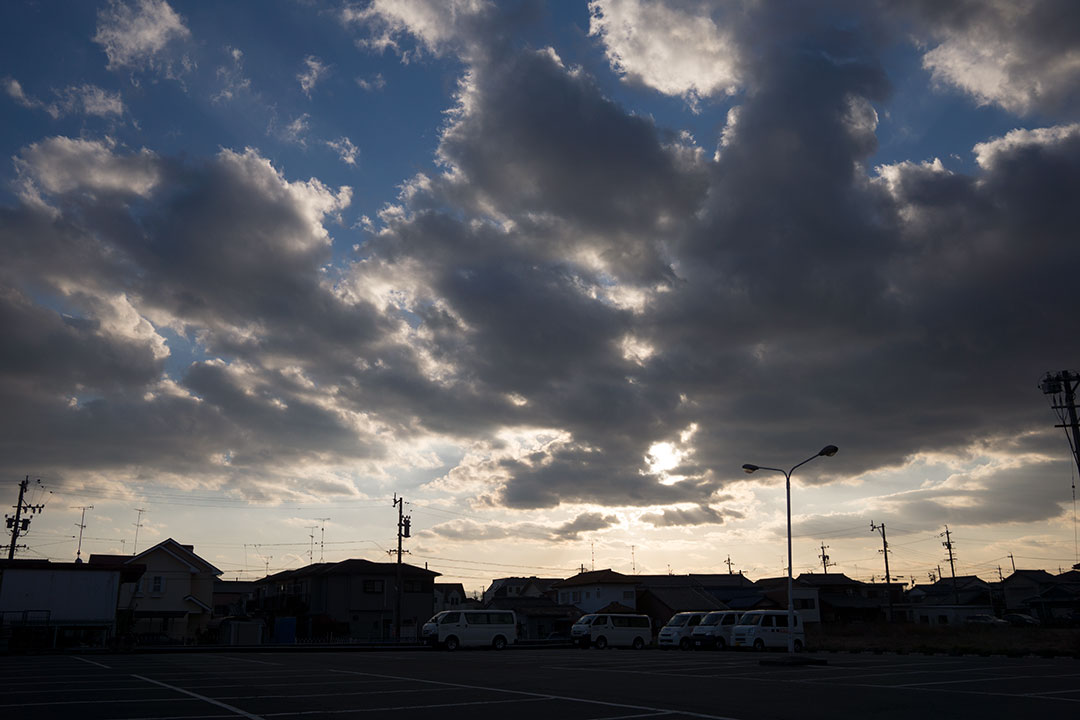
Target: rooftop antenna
point(311, 551)
point(138, 524)
point(729, 564)
point(322, 538)
point(82, 526)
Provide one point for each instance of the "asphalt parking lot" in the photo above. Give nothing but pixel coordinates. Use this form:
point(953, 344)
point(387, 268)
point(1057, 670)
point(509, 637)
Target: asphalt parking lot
point(567, 684)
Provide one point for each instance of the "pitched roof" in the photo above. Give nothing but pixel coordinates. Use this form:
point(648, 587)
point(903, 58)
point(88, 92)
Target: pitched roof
point(183, 553)
point(358, 566)
point(596, 577)
point(679, 599)
point(820, 579)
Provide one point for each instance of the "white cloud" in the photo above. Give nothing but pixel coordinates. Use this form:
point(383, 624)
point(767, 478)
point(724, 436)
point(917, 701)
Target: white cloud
point(436, 24)
point(85, 99)
point(314, 71)
point(1015, 55)
point(60, 165)
point(669, 49)
point(135, 36)
point(345, 150)
point(376, 82)
point(987, 153)
point(232, 77)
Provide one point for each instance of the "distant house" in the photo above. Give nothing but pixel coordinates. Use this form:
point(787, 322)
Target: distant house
point(1023, 586)
point(661, 596)
point(53, 605)
point(591, 591)
point(449, 596)
point(352, 599)
point(174, 598)
point(538, 618)
point(1057, 601)
point(512, 587)
point(843, 600)
point(937, 603)
point(735, 591)
point(806, 598)
point(231, 597)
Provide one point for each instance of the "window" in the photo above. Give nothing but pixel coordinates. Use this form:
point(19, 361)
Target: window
point(627, 594)
point(781, 621)
point(157, 584)
point(639, 621)
point(766, 621)
point(577, 596)
point(373, 586)
point(412, 586)
point(729, 619)
point(586, 594)
point(450, 617)
point(805, 603)
point(620, 621)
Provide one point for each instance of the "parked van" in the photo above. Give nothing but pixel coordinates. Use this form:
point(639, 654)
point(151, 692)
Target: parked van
point(677, 631)
point(452, 629)
point(616, 630)
point(762, 629)
point(714, 631)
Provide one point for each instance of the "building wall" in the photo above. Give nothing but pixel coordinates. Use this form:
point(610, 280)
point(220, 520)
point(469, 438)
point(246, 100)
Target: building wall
point(69, 596)
point(590, 598)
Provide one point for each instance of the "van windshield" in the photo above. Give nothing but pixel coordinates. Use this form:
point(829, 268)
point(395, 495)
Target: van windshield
point(749, 619)
point(711, 619)
point(678, 620)
point(586, 620)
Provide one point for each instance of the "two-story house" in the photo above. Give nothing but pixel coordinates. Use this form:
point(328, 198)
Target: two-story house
point(597, 590)
point(174, 598)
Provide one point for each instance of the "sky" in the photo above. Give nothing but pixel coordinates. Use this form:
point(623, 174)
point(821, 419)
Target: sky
point(551, 272)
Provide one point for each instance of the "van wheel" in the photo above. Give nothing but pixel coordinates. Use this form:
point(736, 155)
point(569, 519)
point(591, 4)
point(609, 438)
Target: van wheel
point(685, 644)
point(638, 643)
point(499, 643)
point(451, 643)
point(721, 644)
point(759, 644)
point(600, 642)
point(798, 646)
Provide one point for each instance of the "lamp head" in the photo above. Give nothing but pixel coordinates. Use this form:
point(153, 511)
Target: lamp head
point(748, 468)
point(829, 450)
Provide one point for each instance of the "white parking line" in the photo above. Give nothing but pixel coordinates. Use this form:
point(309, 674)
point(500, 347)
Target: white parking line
point(350, 711)
point(225, 706)
point(91, 662)
point(539, 695)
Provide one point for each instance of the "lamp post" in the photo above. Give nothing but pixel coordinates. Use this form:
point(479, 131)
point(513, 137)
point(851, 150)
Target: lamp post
point(827, 451)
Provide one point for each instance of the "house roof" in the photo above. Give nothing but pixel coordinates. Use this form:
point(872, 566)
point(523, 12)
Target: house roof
point(1039, 576)
point(183, 553)
point(832, 579)
point(678, 599)
point(596, 577)
point(357, 566)
point(446, 588)
point(128, 573)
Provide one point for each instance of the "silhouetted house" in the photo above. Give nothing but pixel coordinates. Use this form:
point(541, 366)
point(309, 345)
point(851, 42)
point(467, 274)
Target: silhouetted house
point(511, 587)
point(449, 596)
point(844, 600)
point(231, 597)
point(54, 605)
point(775, 591)
point(1024, 586)
point(735, 591)
point(937, 604)
point(352, 599)
point(661, 596)
point(1057, 601)
point(593, 590)
point(537, 617)
point(174, 598)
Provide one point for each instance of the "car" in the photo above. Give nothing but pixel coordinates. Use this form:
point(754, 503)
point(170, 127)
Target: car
point(1020, 620)
point(677, 632)
point(984, 621)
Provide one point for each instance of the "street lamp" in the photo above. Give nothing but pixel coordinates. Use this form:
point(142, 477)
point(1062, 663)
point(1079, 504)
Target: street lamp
point(827, 451)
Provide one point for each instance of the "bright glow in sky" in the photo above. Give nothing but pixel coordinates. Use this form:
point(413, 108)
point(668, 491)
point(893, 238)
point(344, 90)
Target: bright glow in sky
point(551, 271)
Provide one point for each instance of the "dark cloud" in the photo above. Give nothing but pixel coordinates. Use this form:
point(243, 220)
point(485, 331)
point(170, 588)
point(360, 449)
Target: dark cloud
point(700, 515)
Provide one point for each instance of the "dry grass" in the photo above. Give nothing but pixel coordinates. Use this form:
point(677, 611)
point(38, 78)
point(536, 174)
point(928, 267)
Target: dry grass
point(956, 640)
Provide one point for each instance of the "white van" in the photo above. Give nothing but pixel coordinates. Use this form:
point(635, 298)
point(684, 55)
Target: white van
point(452, 629)
point(760, 629)
point(714, 631)
point(678, 629)
point(615, 630)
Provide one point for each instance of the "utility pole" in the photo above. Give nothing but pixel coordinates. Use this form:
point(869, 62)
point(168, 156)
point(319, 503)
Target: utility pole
point(824, 559)
point(138, 524)
point(729, 564)
point(19, 524)
point(1013, 561)
point(82, 526)
point(403, 524)
point(1061, 389)
point(592, 554)
point(885, 552)
point(952, 563)
point(633, 561)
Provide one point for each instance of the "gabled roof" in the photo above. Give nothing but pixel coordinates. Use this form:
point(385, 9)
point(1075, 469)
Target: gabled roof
point(678, 599)
point(830, 579)
point(596, 577)
point(358, 566)
point(183, 553)
point(1039, 576)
